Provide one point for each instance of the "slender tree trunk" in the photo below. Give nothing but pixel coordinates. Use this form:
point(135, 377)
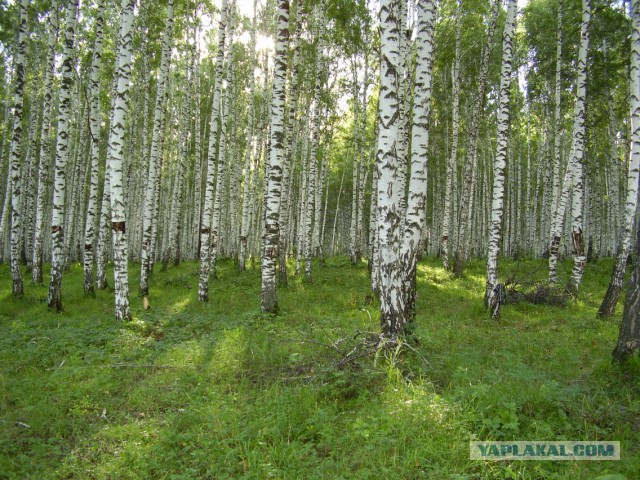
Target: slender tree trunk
point(608, 306)
point(94, 125)
point(452, 160)
point(249, 148)
point(45, 147)
point(16, 152)
point(497, 203)
point(629, 337)
point(417, 199)
point(115, 160)
point(205, 228)
point(577, 170)
point(466, 204)
point(62, 157)
point(273, 169)
point(157, 142)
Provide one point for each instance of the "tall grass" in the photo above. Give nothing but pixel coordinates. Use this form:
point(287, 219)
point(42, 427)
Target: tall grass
point(190, 390)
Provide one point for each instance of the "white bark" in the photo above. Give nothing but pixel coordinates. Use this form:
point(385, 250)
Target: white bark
point(115, 161)
point(205, 227)
point(62, 156)
point(453, 157)
point(157, 142)
point(577, 163)
point(417, 199)
point(388, 166)
point(273, 168)
point(469, 181)
point(609, 302)
point(94, 125)
point(500, 163)
point(16, 152)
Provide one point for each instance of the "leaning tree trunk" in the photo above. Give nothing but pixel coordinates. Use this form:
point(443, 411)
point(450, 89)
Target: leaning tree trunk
point(16, 148)
point(491, 296)
point(388, 166)
point(577, 170)
point(115, 160)
point(608, 306)
point(417, 199)
point(62, 156)
point(629, 337)
point(94, 125)
point(273, 168)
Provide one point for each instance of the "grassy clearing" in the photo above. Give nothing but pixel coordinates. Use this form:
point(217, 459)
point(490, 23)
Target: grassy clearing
point(189, 391)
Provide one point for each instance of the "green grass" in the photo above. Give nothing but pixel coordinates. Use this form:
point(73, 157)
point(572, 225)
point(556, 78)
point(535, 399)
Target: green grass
point(190, 390)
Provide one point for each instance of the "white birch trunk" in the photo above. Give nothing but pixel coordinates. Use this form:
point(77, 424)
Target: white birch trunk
point(205, 227)
point(157, 142)
point(115, 161)
point(453, 157)
point(577, 170)
point(62, 156)
point(45, 147)
point(94, 125)
point(16, 152)
point(389, 168)
point(497, 201)
point(469, 181)
point(417, 199)
point(249, 148)
point(608, 306)
point(273, 168)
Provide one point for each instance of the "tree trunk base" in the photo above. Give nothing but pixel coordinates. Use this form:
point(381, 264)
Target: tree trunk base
point(458, 266)
point(609, 302)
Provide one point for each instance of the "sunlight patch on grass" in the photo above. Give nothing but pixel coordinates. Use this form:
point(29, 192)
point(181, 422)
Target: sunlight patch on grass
point(180, 305)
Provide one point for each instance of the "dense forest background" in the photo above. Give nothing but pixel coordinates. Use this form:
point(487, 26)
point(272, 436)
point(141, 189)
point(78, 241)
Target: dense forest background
point(343, 238)
point(331, 125)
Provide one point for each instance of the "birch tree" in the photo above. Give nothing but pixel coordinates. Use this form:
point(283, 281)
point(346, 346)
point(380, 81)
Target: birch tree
point(453, 156)
point(207, 214)
point(577, 162)
point(608, 305)
point(417, 199)
point(94, 125)
point(16, 152)
point(629, 337)
point(388, 166)
point(497, 201)
point(468, 187)
point(150, 199)
point(62, 157)
point(273, 168)
point(249, 148)
point(115, 160)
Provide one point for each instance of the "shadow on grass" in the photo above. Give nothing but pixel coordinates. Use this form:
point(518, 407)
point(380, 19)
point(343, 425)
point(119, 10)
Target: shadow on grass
point(217, 390)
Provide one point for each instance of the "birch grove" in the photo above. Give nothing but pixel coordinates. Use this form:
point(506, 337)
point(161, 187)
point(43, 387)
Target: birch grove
point(270, 134)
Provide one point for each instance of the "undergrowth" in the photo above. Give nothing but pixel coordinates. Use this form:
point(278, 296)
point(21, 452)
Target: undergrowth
point(190, 390)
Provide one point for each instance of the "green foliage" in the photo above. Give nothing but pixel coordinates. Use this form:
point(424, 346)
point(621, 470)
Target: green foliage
point(190, 390)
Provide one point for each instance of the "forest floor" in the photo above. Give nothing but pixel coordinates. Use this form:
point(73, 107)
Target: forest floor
point(218, 390)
